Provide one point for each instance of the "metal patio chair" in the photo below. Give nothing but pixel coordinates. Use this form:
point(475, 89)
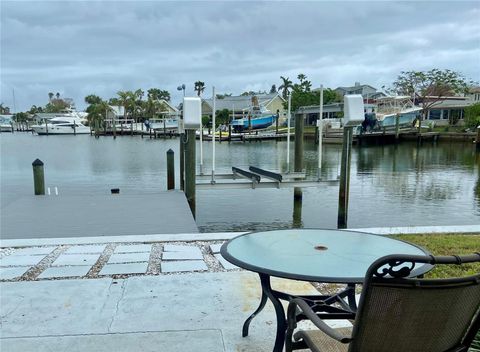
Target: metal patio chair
point(397, 313)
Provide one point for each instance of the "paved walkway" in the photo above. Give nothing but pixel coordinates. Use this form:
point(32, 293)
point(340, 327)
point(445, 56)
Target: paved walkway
point(163, 296)
point(117, 260)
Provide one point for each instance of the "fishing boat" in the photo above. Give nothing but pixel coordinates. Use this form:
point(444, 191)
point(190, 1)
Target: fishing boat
point(385, 118)
point(62, 125)
point(257, 117)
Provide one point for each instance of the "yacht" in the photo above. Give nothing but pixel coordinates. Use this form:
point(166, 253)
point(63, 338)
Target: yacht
point(62, 125)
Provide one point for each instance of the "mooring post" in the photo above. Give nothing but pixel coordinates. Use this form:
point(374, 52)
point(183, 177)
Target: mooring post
point(299, 146)
point(297, 214)
point(190, 170)
point(170, 169)
point(276, 121)
point(477, 139)
point(182, 160)
point(46, 127)
point(229, 132)
point(38, 177)
point(397, 127)
point(344, 178)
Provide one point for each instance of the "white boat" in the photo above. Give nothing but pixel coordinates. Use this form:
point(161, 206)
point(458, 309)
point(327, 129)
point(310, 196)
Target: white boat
point(6, 123)
point(159, 124)
point(62, 125)
point(385, 118)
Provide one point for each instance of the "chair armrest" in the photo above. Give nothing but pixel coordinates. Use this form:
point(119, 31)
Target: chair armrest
point(310, 314)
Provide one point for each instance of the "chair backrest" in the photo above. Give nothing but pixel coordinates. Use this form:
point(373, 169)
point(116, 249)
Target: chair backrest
point(397, 313)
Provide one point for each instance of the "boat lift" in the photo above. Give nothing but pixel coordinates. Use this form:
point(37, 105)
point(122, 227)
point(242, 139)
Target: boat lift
point(256, 177)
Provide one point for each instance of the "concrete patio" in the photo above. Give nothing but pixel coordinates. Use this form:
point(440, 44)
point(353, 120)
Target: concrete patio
point(135, 293)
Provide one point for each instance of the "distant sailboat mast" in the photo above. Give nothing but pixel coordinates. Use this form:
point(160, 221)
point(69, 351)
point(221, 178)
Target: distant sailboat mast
point(14, 106)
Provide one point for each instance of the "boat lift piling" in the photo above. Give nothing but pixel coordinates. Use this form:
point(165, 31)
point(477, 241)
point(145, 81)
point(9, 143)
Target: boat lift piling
point(320, 133)
point(213, 135)
point(299, 151)
point(288, 130)
point(353, 115)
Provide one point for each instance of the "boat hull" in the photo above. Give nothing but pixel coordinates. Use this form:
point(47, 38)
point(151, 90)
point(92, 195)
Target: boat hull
point(256, 123)
point(6, 128)
point(51, 130)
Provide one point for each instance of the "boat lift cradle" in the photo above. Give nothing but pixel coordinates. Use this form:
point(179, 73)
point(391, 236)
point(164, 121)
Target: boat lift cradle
point(257, 178)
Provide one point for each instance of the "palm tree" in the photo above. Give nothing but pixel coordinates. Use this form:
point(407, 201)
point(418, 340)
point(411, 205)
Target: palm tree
point(50, 96)
point(57, 95)
point(286, 85)
point(125, 100)
point(301, 77)
point(199, 87)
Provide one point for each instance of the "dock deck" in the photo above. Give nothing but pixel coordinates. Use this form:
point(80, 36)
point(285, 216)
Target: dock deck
point(97, 215)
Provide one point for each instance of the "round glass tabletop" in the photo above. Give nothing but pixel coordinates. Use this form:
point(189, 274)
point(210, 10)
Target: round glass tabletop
point(334, 256)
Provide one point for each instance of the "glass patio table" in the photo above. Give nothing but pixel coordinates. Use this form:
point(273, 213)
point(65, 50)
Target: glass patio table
point(315, 255)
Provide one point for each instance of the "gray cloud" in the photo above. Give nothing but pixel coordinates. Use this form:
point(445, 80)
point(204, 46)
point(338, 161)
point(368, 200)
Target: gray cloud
point(83, 47)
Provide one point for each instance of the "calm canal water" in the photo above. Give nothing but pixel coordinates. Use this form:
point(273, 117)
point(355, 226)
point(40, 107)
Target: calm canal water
point(390, 185)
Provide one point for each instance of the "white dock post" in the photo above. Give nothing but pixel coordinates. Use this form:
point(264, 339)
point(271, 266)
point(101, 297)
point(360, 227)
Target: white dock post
point(320, 132)
point(201, 147)
point(288, 131)
point(213, 136)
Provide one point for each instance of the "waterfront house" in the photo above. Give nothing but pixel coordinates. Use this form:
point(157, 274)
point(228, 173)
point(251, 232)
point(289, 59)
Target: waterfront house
point(474, 94)
point(369, 93)
point(450, 110)
point(242, 103)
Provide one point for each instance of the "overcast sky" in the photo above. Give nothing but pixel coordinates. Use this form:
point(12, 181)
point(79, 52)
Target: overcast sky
point(87, 47)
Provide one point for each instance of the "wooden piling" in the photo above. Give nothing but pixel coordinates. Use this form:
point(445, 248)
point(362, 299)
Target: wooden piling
point(276, 121)
point(229, 133)
point(477, 139)
point(190, 169)
point(344, 178)
point(297, 214)
point(170, 169)
point(38, 177)
point(182, 161)
point(299, 147)
point(397, 127)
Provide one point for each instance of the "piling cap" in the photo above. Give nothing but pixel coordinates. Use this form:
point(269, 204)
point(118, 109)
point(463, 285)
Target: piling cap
point(37, 162)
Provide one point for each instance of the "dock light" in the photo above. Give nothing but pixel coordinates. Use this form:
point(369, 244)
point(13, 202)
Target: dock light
point(182, 87)
point(353, 110)
point(192, 112)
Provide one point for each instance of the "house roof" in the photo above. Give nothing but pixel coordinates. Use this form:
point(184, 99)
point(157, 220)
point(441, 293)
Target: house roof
point(241, 102)
point(361, 86)
point(172, 107)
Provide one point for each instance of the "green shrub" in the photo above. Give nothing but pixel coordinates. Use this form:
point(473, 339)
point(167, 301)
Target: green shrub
point(472, 115)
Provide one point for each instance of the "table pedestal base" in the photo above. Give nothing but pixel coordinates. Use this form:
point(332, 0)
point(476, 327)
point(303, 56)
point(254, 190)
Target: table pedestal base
point(322, 304)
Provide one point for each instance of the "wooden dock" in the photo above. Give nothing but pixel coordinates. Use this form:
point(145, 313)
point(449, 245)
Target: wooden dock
point(97, 215)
